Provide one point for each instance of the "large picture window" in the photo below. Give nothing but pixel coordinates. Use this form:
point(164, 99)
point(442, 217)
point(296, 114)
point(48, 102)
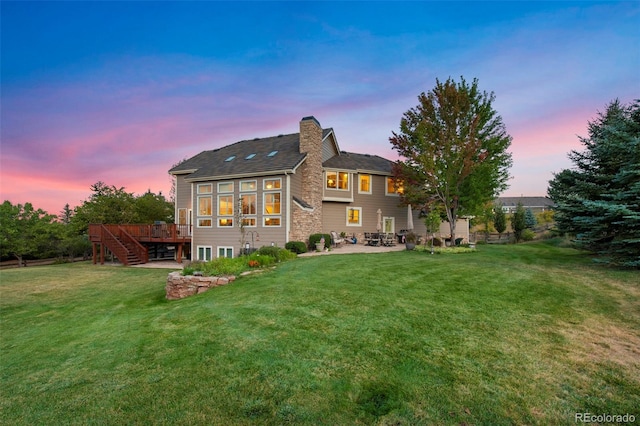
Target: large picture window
point(272, 203)
point(249, 209)
point(204, 209)
point(225, 210)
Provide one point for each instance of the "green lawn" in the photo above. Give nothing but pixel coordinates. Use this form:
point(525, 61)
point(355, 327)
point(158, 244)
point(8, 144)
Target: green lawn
point(527, 334)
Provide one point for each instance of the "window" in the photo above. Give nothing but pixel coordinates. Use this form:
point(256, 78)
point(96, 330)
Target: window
point(272, 203)
point(249, 209)
point(225, 187)
point(205, 188)
point(225, 208)
point(225, 252)
point(230, 158)
point(269, 184)
point(354, 216)
point(204, 253)
point(249, 204)
point(365, 184)
point(393, 187)
point(248, 185)
point(249, 157)
point(337, 180)
point(272, 154)
point(204, 209)
point(271, 221)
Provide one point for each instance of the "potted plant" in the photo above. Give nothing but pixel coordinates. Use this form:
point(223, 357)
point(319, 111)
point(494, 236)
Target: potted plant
point(320, 244)
point(410, 239)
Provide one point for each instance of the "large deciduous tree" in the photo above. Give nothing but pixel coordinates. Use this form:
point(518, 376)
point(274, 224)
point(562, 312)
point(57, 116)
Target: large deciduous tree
point(25, 231)
point(598, 200)
point(453, 148)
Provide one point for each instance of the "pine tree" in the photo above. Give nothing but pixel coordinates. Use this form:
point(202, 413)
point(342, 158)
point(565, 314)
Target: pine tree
point(518, 222)
point(500, 220)
point(598, 201)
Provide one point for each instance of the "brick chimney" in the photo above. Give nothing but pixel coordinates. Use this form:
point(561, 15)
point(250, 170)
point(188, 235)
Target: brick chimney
point(307, 222)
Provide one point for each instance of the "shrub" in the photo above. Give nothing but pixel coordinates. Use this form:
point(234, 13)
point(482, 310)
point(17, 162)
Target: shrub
point(297, 247)
point(528, 235)
point(315, 238)
point(279, 254)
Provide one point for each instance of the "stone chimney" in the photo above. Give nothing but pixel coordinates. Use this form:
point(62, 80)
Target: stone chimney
point(309, 221)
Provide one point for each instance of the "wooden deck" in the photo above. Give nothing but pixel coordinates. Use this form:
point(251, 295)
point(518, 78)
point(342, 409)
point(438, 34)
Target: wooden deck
point(128, 242)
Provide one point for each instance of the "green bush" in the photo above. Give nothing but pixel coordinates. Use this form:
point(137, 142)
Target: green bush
point(263, 260)
point(279, 254)
point(297, 247)
point(528, 235)
point(315, 238)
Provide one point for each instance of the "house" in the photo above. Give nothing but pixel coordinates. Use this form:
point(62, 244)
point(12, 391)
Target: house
point(535, 204)
point(285, 188)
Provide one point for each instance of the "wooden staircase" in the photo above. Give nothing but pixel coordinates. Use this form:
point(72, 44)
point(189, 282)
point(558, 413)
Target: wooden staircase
point(127, 249)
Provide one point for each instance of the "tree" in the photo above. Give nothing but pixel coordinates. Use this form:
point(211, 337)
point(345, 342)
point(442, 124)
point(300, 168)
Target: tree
point(518, 222)
point(453, 148)
point(598, 201)
point(500, 220)
point(150, 207)
point(24, 231)
point(530, 219)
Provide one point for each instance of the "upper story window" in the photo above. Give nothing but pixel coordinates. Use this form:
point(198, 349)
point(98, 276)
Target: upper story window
point(230, 158)
point(270, 184)
point(248, 185)
point(249, 157)
point(272, 203)
point(272, 154)
point(393, 187)
point(225, 187)
point(205, 188)
point(337, 180)
point(364, 184)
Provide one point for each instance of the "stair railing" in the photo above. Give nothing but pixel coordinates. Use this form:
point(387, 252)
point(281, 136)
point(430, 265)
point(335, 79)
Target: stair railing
point(138, 249)
point(112, 243)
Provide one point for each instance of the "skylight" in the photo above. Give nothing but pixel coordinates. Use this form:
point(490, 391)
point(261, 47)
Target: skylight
point(249, 157)
point(230, 158)
point(272, 153)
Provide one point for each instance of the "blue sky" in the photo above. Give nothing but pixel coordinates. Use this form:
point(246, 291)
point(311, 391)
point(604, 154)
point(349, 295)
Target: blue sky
point(120, 91)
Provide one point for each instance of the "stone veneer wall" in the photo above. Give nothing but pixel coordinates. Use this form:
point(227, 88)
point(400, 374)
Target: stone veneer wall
point(180, 286)
point(305, 223)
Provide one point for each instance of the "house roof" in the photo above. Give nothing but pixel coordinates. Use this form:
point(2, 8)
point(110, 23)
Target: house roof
point(245, 158)
point(526, 201)
point(359, 162)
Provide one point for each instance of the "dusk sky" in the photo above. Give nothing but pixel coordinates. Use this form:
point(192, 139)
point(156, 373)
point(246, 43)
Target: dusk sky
point(119, 92)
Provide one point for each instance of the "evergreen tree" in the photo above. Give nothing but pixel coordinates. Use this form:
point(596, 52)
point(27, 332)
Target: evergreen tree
point(598, 201)
point(499, 220)
point(518, 222)
point(530, 219)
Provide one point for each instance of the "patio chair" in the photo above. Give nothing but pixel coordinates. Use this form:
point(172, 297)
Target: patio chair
point(336, 241)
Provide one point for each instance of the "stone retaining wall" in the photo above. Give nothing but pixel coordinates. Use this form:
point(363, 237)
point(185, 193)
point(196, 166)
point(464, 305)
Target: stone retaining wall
point(180, 286)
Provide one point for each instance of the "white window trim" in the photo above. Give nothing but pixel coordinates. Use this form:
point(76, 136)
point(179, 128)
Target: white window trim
point(264, 203)
point(199, 216)
point(370, 191)
point(359, 216)
point(204, 248)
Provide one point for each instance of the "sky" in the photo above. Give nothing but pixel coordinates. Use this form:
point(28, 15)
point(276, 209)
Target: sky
point(119, 92)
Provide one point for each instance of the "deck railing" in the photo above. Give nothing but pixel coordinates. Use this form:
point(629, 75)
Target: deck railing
point(138, 249)
point(166, 232)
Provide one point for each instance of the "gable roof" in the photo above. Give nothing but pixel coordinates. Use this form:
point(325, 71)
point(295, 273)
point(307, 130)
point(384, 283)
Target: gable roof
point(360, 163)
point(237, 160)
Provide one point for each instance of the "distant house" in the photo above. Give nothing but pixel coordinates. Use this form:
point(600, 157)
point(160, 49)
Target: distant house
point(536, 204)
point(287, 187)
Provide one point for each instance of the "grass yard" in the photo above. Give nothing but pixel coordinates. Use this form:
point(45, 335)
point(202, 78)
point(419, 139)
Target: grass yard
point(527, 334)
